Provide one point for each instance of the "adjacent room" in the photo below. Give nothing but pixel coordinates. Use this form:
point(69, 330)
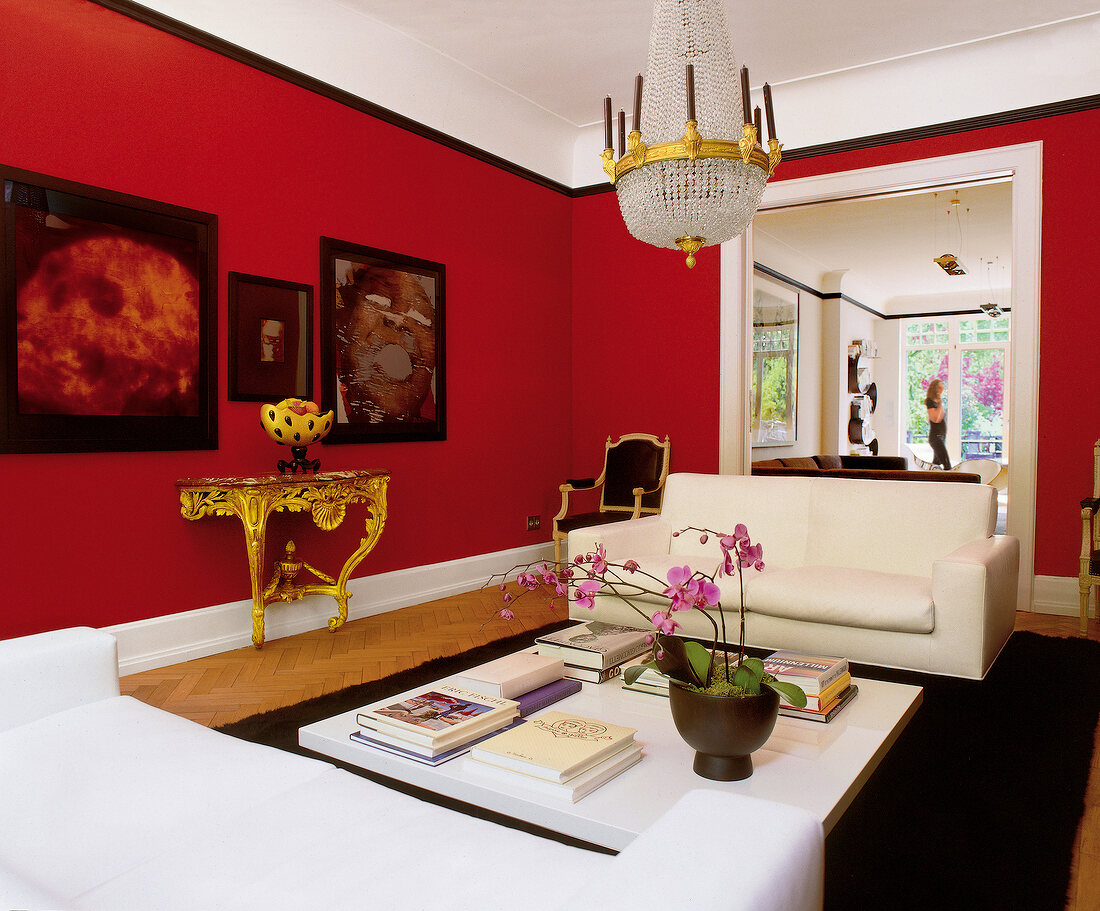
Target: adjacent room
point(648, 445)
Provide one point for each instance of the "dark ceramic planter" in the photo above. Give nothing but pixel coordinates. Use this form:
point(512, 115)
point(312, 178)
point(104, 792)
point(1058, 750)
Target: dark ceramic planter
point(724, 731)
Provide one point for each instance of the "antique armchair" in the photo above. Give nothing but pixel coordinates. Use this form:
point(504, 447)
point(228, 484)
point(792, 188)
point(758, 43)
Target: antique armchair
point(631, 485)
point(1090, 542)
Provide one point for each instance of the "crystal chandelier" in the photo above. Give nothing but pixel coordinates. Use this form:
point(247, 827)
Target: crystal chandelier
point(688, 184)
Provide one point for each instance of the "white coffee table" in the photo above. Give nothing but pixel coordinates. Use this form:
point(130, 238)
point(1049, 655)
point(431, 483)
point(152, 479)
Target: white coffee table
point(819, 767)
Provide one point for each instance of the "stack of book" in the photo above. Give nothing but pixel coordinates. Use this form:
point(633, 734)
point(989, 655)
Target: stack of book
point(432, 725)
point(826, 681)
point(558, 754)
point(594, 651)
point(533, 680)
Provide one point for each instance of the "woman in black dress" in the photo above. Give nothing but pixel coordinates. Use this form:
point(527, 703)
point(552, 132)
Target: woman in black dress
point(937, 424)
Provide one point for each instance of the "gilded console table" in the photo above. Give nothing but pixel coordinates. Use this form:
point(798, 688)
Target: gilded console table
point(326, 495)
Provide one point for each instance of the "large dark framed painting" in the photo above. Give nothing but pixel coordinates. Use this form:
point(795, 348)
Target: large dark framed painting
point(109, 314)
point(270, 339)
point(382, 345)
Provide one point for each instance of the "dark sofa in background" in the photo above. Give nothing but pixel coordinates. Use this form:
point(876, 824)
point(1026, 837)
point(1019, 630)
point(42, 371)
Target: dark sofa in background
point(887, 468)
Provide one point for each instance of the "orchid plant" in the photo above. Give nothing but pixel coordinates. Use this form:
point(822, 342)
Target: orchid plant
point(715, 670)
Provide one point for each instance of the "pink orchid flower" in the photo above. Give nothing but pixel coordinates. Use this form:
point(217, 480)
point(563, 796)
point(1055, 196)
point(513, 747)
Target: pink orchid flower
point(752, 555)
point(631, 566)
point(506, 614)
point(664, 623)
point(599, 559)
point(709, 594)
point(585, 591)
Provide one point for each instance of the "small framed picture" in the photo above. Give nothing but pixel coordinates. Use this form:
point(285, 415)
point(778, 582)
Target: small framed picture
point(382, 345)
point(270, 339)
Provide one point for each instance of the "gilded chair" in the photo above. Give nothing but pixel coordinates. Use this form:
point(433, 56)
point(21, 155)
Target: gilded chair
point(1090, 541)
point(631, 485)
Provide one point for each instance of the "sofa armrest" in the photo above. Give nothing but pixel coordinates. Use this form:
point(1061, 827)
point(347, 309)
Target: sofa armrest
point(974, 590)
point(48, 672)
point(686, 859)
point(623, 540)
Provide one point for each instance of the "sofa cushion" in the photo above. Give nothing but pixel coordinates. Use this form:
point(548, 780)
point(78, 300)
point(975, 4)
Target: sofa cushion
point(828, 461)
point(899, 526)
point(343, 843)
point(775, 511)
point(131, 778)
point(800, 462)
point(843, 597)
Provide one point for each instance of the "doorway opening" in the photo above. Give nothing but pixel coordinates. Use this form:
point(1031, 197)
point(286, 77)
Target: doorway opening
point(1022, 164)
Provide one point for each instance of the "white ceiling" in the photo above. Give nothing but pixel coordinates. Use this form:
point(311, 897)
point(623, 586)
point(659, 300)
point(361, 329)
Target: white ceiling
point(888, 245)
point(565, 56)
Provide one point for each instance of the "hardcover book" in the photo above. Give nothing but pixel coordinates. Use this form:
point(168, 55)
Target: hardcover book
point(594, 644)
point(555, 746)
point(512, 675)
point(829, 713)
point(547, 695)
point(592, 674)
point(427, 755)
point(815, 701)
point(444, 714)
point(813, 673)
point(580, 785)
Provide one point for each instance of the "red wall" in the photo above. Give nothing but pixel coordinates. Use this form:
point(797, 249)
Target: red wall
point(645, 342)
point(93, 96)
point(679, 311)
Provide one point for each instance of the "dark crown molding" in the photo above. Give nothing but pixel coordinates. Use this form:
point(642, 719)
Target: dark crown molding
point(249, 58)
point(309, 83)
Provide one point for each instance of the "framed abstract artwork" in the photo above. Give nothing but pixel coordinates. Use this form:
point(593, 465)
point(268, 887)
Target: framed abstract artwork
point(270, 339)
point(109, 313)
point(382, 345)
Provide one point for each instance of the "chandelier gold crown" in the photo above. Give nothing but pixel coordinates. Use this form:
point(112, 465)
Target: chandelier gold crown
point(699, 187)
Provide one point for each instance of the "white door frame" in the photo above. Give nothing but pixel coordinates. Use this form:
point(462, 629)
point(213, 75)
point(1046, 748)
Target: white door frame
point(1025, 164)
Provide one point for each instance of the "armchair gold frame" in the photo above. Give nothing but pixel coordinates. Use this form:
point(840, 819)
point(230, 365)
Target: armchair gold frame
point(614, 506)
point(1090, 542)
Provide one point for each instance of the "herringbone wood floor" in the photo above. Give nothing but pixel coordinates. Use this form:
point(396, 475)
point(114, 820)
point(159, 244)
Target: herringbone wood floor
point(223, 688)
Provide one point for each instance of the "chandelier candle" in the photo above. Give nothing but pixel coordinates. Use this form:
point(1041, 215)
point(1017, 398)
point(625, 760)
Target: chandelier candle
point(768, 113)
point(690, 76)
point(746, 97)
point(693, 170)
point(607, 122)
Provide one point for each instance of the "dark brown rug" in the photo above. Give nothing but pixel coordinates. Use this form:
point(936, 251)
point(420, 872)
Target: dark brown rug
point(976, 806)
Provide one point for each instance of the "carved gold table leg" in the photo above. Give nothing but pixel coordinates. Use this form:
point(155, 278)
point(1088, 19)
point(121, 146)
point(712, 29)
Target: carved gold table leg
point(326, 496)
point(375, 522)
point(253, 512)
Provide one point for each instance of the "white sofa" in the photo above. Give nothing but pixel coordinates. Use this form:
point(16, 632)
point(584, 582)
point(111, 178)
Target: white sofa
point(109, 804)
point(892, 573)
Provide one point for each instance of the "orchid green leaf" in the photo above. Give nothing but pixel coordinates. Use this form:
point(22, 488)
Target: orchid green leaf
point(635, 671)
point(699, 658)
point(789, 691)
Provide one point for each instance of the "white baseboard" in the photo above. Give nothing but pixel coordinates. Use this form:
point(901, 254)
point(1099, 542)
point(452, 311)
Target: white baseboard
point(1056, 595)
point(160, 641)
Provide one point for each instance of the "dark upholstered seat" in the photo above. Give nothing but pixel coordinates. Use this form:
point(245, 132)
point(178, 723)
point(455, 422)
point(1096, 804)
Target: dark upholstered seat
point(631, 485)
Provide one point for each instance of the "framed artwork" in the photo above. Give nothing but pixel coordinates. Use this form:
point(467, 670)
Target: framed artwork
point(270, 339)
point(109, 313)
point(382, 345)
point(774, 362)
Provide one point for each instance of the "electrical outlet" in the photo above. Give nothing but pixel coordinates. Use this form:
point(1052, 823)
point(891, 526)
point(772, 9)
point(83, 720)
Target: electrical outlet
point(534, 522)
